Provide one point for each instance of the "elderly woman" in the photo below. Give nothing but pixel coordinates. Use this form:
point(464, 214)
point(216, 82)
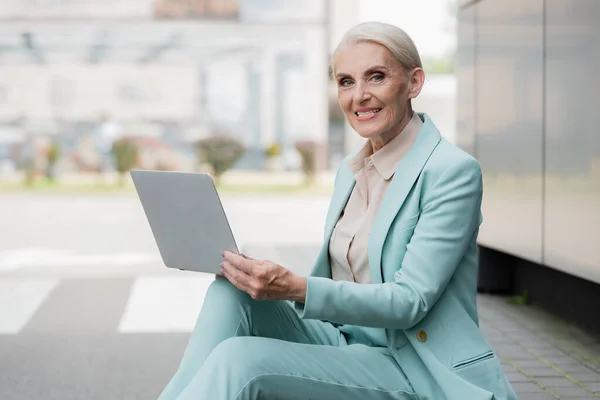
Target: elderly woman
point(389, 309)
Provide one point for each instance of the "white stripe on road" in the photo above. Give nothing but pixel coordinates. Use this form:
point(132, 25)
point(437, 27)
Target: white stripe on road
point(165, 303)
point(20, 299)
point(40, 257)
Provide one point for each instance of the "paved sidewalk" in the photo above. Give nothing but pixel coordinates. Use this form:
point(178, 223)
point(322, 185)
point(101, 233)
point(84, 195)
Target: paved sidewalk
point(544, 357)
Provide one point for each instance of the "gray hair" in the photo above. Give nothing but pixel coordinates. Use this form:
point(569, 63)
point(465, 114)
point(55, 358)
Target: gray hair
point(389, 36)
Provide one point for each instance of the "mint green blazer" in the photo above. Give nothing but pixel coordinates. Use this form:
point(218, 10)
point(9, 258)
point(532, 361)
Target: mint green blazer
point(423, 260)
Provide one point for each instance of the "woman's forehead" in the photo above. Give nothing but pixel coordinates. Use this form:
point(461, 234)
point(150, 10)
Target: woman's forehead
point(362, 56)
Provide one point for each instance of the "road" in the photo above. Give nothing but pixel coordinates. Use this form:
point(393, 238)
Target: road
point(88, 311)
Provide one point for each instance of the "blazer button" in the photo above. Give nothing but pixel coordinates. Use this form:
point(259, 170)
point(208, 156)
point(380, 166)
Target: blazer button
point(422, 336)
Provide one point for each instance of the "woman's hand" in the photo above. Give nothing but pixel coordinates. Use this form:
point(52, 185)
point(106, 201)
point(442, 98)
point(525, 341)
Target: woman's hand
point(263, 279)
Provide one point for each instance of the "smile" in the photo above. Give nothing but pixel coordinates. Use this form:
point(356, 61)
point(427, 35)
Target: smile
point(367, 113)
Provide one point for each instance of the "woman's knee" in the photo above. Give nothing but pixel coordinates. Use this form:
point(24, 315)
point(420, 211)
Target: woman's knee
point(222, 292)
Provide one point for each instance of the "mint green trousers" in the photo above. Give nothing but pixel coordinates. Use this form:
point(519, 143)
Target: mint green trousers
point(248, 349)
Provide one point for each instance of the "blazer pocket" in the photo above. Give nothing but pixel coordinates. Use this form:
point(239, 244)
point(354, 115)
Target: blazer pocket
point(484, 371)
point(473, 360)
point(406, 223)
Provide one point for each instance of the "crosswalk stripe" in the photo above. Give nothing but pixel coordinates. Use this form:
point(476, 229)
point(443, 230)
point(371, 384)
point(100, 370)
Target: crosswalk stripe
point(164, 304)
point(52, 258)
point(20, 299)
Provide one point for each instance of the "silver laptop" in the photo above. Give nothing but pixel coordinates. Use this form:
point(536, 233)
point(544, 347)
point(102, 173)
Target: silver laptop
point(186, 218)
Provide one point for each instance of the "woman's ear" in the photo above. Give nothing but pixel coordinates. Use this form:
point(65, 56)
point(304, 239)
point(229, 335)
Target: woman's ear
point(416, 81)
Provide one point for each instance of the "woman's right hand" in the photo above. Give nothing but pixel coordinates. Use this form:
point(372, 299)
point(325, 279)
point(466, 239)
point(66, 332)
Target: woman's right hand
point(219, 276)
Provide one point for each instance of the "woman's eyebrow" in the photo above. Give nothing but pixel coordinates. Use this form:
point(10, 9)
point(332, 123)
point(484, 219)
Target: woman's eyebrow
point(342, 75)
point(369, 71)
point(375, 69)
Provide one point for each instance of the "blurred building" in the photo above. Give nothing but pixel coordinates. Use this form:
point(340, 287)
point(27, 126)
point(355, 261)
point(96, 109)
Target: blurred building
point(195, 8)
point(176, 69)
point(527, 109)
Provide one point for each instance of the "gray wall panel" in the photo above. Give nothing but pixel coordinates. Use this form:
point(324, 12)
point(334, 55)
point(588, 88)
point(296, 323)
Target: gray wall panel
point(508, 123)
point(572, 192)
point(465, 93)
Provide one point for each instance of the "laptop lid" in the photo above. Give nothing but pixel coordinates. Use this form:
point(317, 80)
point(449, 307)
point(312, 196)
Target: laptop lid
point(186, 217)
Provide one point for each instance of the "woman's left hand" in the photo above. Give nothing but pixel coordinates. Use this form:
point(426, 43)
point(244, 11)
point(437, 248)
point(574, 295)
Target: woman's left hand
point(263, 279)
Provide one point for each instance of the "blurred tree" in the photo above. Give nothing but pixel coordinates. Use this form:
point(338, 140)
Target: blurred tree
point(272, 157)
point(308, 154)
point(125, 154)
point(220, 152)
point(273, 150)
point(52, 157)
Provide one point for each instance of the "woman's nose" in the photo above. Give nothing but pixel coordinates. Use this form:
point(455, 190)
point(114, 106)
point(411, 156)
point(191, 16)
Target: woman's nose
point(361, 93)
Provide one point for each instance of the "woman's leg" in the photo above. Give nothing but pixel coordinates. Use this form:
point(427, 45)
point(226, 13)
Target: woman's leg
point(228, 312)
point(254, 368)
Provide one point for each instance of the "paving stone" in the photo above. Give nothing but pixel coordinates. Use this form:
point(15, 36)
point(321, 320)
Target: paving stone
point(555, 382)
point(551, 353)
point(513, 353)
point(497, 336)
point(509, 370)
point(570, 392)
point(578, 369)
point(542, 372)
point(513, 330)
point(593, 386)
point(533, 340)
point(505, 341)
point(585, 377)
point(528, 363)
point(515, 377)
point(526, 387)
point(538, 347)
point(583, 337)
point(570, 363)
point(536, 396)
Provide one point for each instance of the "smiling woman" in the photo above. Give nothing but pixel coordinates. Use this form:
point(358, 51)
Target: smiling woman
point(375, 89)
point(389, 310)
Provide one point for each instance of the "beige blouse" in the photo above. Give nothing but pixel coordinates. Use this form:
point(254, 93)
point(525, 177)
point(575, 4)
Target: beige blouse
point(373, 173)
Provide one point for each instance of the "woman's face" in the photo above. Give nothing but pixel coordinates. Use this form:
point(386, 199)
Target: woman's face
point(374, 89)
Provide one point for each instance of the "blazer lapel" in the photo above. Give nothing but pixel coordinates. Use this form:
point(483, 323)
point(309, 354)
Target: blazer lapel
point(344, 185)
point(407, 172)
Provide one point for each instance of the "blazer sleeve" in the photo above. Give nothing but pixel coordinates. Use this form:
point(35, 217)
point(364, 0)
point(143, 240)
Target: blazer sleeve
point(450, 217)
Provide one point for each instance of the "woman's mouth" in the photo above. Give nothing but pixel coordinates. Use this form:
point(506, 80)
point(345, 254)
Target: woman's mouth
point(364, 115)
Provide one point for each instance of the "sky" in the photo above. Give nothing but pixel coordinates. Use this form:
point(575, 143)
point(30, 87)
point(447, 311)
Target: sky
point(426, 21)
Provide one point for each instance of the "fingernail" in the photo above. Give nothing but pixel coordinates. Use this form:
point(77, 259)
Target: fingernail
point(223, 253)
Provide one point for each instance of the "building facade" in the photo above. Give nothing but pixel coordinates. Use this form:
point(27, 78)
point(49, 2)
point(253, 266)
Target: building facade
point(527, 109)
point(254, 69)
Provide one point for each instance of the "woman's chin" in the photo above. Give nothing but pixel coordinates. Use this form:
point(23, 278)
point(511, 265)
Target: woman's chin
point(368, 133)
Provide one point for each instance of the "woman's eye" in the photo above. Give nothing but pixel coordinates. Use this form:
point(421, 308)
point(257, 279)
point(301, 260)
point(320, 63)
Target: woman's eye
point(345, 82)
point(377, 78)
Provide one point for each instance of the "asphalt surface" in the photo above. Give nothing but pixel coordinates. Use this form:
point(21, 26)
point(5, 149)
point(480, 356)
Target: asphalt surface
point(88, 311)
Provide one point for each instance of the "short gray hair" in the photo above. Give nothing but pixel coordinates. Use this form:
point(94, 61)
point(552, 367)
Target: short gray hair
point(389, 36)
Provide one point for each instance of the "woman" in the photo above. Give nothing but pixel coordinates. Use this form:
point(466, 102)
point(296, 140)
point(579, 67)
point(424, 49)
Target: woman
point(389, 309)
